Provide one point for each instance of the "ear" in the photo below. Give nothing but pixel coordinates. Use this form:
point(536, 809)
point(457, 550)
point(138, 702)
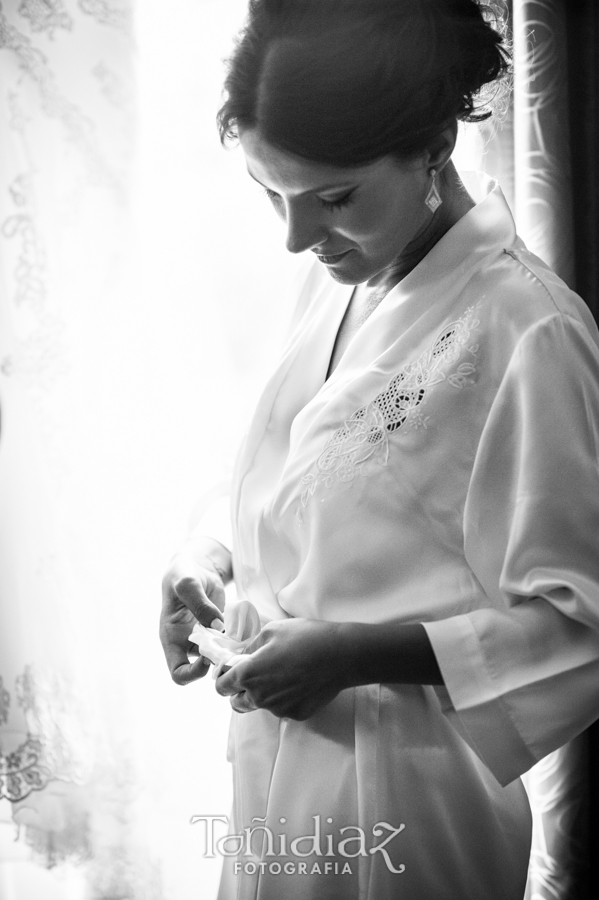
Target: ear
point(441, 147)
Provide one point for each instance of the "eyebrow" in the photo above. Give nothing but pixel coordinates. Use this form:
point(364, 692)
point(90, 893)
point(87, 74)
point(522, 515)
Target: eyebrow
point(316, 190)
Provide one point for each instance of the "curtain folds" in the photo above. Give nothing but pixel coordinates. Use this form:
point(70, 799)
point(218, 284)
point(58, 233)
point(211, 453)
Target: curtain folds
point(583, 88)
point(545, 155)
point(543, 206)
point(543, 182)
point(582, 22)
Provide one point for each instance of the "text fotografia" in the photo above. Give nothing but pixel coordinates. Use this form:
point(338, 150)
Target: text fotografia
point(349, 842)
point(293, 868)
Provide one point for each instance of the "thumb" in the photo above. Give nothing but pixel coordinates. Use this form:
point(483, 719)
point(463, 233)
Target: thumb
point(256, 643)
point(203, 600)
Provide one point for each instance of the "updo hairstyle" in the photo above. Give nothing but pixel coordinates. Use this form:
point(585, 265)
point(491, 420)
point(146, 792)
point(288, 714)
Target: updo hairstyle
point(347, 82)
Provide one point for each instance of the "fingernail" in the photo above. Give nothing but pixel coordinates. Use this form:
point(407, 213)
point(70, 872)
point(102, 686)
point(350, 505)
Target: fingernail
point(217, 625)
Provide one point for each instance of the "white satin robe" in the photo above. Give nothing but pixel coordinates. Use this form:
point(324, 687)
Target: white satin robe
point(446, 473)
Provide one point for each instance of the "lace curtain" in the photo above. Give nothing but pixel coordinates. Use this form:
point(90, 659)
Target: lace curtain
point(140, 310)
point(71, 814)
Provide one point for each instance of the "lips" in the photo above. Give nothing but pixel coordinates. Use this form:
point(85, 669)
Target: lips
point(331, 258)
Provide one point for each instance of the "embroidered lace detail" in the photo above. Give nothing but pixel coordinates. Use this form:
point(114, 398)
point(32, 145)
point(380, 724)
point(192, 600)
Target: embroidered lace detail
point(365, 435)
point(106, 14)
point(4, 703)
point(23, 770)
point(46, 15)
point(48, 751)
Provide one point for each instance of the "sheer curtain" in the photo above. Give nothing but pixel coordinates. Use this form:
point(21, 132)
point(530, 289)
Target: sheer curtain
point(142, 301)
point(70, 808)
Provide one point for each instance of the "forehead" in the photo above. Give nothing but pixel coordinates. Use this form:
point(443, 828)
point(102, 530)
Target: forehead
point(286, 172)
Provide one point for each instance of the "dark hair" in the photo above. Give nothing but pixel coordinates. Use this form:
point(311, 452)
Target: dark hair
point(346, 82)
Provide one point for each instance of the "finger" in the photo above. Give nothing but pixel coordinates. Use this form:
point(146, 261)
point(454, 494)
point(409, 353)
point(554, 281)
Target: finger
point(242, 703)
point(192, 594)
point(261, 640)
point(182, 670)
point(216, 593)
point(231, 681)
point(187, 672)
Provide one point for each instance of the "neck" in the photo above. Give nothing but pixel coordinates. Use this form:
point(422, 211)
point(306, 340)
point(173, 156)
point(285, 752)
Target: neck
point(456, 203)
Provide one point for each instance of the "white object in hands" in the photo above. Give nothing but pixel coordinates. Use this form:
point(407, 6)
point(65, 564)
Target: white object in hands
point(242, 624)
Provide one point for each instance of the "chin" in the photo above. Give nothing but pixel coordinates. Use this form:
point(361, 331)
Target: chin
point(342, 277)
point(348, 276)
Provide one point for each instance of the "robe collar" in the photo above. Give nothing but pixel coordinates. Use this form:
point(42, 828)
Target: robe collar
point(484, 231)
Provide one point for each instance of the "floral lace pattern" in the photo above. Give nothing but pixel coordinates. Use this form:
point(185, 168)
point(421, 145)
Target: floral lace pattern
point(46, 15)
point(23, 770)
point(4, 703)
point(365, 435)
point(69, 774)
point(47, 752)
point(106, 14)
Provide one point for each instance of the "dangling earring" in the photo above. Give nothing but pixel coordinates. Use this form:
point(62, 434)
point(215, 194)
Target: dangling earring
point(433, 199)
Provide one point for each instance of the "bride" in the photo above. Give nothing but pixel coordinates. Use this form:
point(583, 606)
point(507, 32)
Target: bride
point(413, 531)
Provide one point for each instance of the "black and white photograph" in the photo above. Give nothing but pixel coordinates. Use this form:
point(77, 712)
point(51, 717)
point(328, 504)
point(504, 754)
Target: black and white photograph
point(299, 450)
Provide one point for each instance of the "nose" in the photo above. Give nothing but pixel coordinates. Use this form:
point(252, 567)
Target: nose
point(305, 229)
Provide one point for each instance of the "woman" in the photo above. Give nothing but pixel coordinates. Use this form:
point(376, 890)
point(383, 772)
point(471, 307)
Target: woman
point(416, 502)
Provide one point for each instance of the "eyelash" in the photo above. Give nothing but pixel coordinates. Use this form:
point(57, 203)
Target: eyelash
point(328, 204)
point(341, 202)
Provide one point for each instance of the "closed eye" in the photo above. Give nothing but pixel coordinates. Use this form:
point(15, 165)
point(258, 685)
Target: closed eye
point(272, 195)
point(339, 203)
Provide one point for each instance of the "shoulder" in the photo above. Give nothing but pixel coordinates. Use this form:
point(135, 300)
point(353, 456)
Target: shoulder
point(546, 291)
point(519, 295)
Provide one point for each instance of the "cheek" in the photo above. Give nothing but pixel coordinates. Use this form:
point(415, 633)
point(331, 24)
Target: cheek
point(388, 220)
point(388, 231)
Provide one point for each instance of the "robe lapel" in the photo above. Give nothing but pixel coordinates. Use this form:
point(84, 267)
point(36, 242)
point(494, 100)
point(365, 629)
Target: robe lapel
point(298, 378)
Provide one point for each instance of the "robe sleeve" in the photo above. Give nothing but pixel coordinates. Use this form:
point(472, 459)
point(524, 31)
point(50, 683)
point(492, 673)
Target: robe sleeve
point(521, 672)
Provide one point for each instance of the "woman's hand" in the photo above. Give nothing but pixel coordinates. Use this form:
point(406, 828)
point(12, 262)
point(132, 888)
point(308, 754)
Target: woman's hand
point(299, 665)
point(193, 590)
point(295, 668)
